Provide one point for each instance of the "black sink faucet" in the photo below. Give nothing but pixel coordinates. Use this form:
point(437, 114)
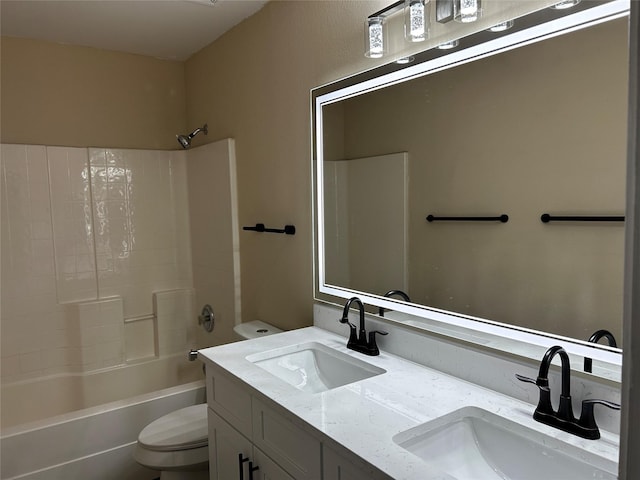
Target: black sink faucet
point(564, 419)
point(358, 340)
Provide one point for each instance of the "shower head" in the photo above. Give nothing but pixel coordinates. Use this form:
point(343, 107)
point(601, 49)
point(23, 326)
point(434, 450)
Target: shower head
point(185, 140)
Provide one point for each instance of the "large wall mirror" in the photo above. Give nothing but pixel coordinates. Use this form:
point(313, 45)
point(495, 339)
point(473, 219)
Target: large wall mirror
point(528, 123)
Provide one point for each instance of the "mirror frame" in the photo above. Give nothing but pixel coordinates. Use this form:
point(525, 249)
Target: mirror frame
point(531, 28)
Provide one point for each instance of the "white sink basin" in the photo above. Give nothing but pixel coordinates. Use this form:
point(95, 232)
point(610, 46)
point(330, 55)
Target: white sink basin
point(313, 367)
point(473, 444)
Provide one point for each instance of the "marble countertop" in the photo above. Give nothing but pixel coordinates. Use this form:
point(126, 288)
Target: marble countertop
point(364, 416)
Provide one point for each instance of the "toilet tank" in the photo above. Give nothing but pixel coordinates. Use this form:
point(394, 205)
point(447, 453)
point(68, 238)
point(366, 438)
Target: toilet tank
point(254, 329)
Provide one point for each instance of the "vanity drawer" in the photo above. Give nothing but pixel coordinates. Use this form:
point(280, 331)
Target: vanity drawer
point(291, 447)
point(230, 400)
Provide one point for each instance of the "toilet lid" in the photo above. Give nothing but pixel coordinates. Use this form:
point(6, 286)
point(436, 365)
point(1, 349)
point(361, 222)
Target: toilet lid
point(180, 430)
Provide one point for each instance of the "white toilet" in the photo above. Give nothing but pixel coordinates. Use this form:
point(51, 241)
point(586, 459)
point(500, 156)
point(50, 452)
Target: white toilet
point(177, 443)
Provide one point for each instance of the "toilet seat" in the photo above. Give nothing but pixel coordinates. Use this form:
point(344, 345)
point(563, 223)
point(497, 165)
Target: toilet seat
point(183, 429)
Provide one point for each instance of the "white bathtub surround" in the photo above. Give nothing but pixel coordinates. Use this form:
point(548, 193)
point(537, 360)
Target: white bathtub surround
point(363, 417)
point(99, 330)
point(175, 320)
point(215, 245)
point(96, 443)
point(86, 225)
point(41, 398)
point(97, 289)
point(72, 222)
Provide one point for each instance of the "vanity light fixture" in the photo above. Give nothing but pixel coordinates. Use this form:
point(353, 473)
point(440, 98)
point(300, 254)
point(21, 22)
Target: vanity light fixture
point(565, 4)
point(501, 27)
point(375, 43)
point(416, 25)
point(416, 20)
point(466, 11)
point(449, 45)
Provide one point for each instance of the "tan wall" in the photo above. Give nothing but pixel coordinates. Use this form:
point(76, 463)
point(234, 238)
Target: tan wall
point(253, 84)
point(76, 96)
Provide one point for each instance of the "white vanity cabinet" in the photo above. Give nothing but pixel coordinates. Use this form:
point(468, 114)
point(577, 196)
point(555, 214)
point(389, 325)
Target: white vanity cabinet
point(240, 424)
point(337, 467)
point(233, 457)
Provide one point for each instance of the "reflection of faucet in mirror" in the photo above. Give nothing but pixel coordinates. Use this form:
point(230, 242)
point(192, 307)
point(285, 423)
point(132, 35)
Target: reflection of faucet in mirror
point(358, 341)
point(563, 419)
point(588, 363)
point(391, 293)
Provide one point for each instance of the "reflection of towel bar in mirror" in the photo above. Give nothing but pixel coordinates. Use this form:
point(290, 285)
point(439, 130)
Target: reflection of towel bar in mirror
point(546, 218)
point(259, 227)
point(504, 218)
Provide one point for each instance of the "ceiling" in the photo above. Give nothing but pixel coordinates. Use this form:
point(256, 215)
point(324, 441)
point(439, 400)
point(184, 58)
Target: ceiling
point(167, 29)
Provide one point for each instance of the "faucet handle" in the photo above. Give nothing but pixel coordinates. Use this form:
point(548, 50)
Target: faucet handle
point(353, 332)
point(372, 339)
point(372, 334)
point(522, 378)
point(587, 417)
point(606, 403)
point(346, 320)
point(541, 383)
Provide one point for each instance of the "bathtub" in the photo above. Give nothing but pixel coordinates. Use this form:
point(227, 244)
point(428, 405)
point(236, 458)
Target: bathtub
point(86, 426)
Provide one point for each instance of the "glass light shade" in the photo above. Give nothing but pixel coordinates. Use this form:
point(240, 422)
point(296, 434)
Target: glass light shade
point(374, 37)
point(565, 4)
point(466, 11)
point(416, 20)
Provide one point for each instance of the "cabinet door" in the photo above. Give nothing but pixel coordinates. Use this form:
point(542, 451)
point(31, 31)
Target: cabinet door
point(337, 467)
point(267, 468)
point(229, 399)
point(225, 446)
point(286, 443)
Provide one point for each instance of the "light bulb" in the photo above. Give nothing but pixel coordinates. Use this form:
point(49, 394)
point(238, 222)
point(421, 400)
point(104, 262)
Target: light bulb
point(405, 60)
point(565, 4)
point(467, 11)
point(448, 45)
point(501, 27)
point(415, 20)
point(374, 37)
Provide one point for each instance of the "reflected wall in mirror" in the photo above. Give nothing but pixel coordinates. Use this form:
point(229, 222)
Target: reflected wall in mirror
point(536, 129)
